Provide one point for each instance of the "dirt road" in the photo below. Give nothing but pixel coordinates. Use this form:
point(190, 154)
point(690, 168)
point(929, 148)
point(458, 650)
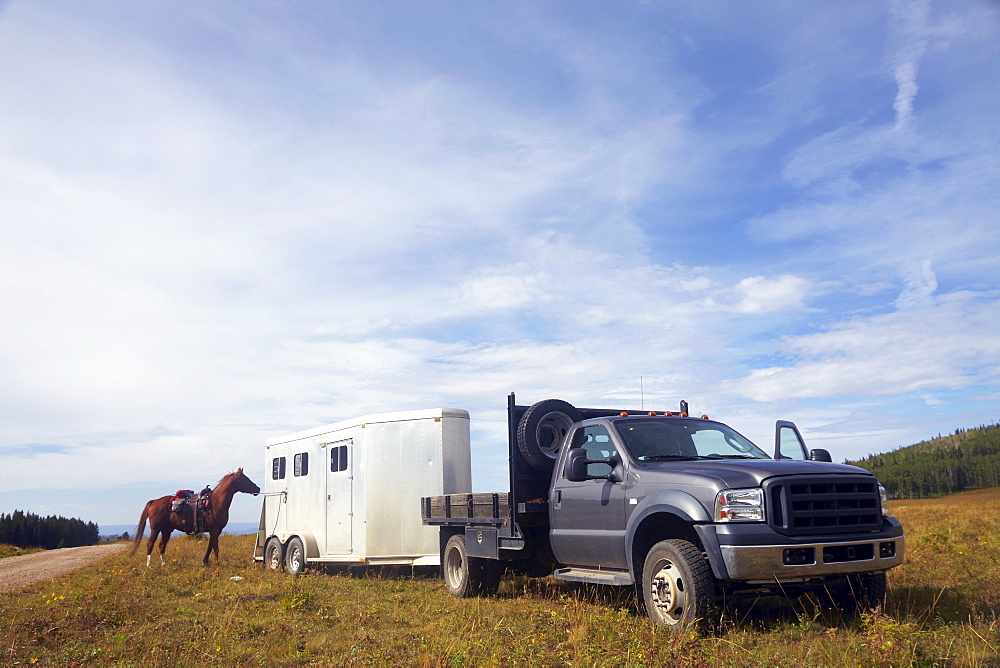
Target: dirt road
point(19, 572)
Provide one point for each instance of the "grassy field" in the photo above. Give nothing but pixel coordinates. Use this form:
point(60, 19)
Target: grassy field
point(11, 551)
point(943, 609)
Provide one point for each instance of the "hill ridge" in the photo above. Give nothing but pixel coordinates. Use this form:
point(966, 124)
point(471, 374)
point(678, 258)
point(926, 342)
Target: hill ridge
point(965, 459)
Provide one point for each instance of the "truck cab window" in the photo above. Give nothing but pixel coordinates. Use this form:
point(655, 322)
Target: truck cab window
point(789, 445)
point(597, 443)
point(665, 439)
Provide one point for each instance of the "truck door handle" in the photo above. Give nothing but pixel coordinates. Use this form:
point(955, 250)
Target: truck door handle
point(558, 499)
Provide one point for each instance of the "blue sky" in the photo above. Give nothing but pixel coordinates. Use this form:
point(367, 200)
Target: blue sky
point(223, 222)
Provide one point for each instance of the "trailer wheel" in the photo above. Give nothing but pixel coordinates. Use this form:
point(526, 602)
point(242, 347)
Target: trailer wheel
point(467, 576)
point(295, 557)
point(541, 430)
point(677, 586)
point(274, 556)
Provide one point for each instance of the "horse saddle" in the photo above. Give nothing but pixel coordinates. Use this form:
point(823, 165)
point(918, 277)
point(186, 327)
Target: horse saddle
point(190, 507)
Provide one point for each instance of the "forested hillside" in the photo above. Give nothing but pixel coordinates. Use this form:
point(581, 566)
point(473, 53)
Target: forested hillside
point(968, 458)
point(29, 530)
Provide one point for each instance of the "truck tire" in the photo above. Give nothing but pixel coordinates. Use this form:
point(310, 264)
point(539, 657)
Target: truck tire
point(872, 588)
point(274, 555)
point(492, 574)
point(677, 587)
point(861, 593)
point(541, 430)
point(295, 557)
point(467, 576)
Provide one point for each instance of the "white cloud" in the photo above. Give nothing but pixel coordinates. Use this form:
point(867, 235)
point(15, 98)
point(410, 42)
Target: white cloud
point(919, 284)
point(942, 346)
point(906, 82)
point(762, 295)
point(273, 229)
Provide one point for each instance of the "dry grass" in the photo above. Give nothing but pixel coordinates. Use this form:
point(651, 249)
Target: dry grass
point(942, 610)
point(14, 551)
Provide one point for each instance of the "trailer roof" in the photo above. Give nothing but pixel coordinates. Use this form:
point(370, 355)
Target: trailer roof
point(374, 418)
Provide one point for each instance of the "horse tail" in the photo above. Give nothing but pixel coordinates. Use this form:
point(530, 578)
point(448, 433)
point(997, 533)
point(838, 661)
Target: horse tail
point(139, 530)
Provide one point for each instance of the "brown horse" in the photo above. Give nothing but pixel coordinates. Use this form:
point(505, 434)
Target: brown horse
point(213, 519)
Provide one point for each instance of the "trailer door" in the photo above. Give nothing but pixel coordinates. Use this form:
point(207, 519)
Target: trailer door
point(339, 495)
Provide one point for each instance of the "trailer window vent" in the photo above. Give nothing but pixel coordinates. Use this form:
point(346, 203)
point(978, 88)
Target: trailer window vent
point(338, 459)
point(301, 466)
point(278, 468)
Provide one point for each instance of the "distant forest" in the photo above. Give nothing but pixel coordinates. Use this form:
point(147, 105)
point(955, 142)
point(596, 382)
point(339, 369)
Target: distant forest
point(943, 465)
point(29, 530)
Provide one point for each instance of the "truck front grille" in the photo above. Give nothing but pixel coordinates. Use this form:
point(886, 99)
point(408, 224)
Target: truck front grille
point(829, 504)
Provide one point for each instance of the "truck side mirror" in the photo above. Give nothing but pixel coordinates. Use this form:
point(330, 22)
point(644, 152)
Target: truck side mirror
point(820, 455)
point(576, 465)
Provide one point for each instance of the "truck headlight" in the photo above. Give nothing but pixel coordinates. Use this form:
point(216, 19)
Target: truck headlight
point(885, 500)
point(740, 505)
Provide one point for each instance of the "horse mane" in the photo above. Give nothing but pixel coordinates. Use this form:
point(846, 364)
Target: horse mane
point(229, 475)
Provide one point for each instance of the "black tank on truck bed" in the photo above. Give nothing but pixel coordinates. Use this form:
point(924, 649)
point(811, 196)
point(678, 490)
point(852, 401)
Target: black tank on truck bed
point(684, 508)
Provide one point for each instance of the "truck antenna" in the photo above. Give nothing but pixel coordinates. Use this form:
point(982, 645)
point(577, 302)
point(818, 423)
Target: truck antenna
point(642, 396)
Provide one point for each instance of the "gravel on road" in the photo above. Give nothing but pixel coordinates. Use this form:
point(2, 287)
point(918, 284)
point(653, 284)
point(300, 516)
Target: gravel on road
point(19, 572)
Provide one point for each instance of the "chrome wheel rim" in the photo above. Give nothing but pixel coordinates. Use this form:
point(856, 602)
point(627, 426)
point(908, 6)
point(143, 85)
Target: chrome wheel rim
point(667, 592)
point(274, 558)
point(550, 431)
point(453, 568)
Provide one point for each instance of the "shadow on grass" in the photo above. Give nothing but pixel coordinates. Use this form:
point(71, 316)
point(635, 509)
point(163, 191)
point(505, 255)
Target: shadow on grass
point(921, 605)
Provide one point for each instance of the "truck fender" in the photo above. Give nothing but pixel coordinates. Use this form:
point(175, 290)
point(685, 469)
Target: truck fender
point(684, 510)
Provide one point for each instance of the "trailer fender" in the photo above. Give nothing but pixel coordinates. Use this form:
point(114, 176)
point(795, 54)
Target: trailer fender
point(659, 516)
point(308, 542)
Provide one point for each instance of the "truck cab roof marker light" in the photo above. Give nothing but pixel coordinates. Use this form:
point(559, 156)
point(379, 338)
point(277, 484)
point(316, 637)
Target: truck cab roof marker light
point(704, 417)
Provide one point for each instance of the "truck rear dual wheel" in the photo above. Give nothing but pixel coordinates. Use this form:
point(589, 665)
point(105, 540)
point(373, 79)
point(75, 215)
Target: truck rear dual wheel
point(677, 588)
point(467, 576)
point(541, 431)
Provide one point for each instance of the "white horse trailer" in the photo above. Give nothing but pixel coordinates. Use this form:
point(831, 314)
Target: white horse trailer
point(349, 493)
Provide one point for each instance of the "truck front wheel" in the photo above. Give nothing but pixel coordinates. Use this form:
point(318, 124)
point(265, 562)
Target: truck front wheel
point(467, 576)
point(677, 586)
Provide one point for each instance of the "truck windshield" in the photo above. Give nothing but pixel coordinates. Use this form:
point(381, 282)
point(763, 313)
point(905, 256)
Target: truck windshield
point(660, 439)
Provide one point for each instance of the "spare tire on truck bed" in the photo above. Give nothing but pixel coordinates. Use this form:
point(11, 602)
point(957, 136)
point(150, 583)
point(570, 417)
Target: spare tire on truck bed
point(541, 430)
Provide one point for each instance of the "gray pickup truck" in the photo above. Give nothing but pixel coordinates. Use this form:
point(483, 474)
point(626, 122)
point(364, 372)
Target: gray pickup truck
point(684, 508)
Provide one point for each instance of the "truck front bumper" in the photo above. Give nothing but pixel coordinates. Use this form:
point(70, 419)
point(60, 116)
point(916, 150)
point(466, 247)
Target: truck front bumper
point(758, 554)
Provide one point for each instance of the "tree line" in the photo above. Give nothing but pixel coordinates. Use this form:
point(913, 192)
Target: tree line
point(29, 530)
point(967, 459)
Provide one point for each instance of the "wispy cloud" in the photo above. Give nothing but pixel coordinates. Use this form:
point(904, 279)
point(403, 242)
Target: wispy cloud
point(224, 223)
